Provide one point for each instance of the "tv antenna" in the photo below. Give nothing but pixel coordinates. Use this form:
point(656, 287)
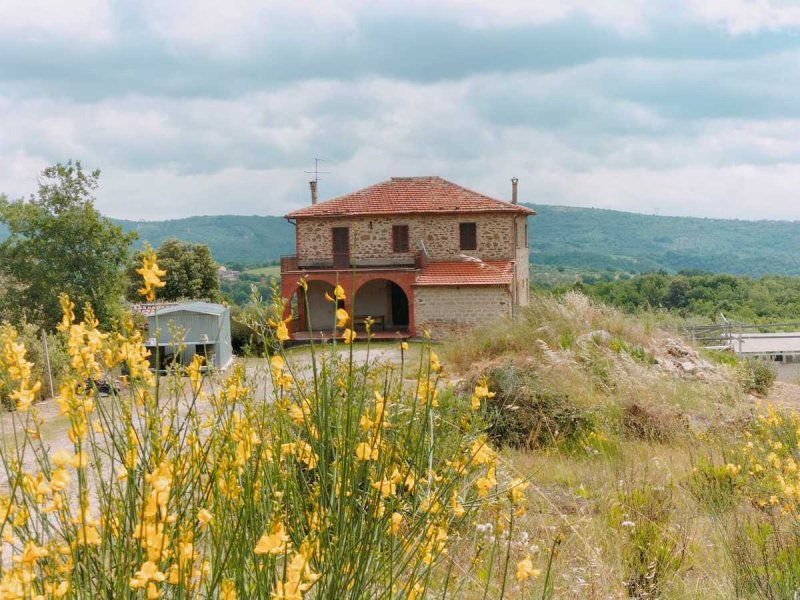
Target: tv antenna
point(316, 172)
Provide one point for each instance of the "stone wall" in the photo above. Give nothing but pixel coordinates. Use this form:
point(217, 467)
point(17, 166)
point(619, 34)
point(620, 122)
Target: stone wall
point(522, 284)
point(371, 238)
point(443, 309)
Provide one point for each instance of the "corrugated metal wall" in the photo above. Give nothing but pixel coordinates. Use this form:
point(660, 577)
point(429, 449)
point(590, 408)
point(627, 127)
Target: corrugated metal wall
point(190, 328)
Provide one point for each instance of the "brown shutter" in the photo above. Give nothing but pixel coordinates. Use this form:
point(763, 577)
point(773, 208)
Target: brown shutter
point(468, 236)
point(400, 238)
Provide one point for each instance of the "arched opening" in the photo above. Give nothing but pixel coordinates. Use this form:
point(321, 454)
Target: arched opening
point(320, 310)
point(385, 302)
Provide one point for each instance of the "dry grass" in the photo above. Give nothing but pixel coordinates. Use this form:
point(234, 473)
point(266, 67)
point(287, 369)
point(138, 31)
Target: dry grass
point(617, 502)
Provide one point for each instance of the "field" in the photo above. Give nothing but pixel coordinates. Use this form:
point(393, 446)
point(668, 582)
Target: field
point(270, 271)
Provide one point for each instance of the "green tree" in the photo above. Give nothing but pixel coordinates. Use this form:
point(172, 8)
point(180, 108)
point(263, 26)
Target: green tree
point(58, 242)
point(191, 272)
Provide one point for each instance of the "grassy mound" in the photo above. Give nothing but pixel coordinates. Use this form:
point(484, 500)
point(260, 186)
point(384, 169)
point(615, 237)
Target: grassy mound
point(635, 443)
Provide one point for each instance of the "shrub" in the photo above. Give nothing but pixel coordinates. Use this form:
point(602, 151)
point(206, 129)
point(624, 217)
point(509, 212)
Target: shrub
point(651, 423)
point(652, 546)
point(31, 337)
point(757, 376)
point(525, 414)
point(716, 487)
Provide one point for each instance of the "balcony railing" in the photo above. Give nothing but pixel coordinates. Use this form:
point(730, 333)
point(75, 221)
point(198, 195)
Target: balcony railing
point(289, 263)
point(293, 263)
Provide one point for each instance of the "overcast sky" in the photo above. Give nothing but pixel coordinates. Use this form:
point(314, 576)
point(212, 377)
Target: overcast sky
point(214, 107)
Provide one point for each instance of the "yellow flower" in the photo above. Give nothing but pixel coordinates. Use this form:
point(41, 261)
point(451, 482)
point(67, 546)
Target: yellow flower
point(276, 542)
point(205, 517)
point(404, 346)
point(395, 523)
point(349, 335)
point(227, 590)
point(366, 452)
point(526, 571)
point(147, 574)
point(339, 293)
point(385, 487)
point(436, 366)
point(516, 490)
point(31, 554)
point(151, 276)
point(281, 332)
point(341, 317)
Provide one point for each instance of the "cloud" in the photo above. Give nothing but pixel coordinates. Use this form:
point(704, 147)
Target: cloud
point(38, 21)
point(204, 107)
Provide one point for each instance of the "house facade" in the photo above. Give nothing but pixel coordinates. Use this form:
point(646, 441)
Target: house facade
point(411, 252)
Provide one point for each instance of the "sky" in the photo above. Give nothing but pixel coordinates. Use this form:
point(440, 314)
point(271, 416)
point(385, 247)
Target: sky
point(190, 107)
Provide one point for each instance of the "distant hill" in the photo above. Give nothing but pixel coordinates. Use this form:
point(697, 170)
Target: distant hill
point(588, 238)
point(247, 239)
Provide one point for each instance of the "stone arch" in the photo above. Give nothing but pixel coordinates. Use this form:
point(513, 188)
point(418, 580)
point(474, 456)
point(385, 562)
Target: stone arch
point(384, 300)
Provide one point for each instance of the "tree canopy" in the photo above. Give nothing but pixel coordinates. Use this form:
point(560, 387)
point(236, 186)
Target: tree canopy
point(58, 242)
point(191, 272)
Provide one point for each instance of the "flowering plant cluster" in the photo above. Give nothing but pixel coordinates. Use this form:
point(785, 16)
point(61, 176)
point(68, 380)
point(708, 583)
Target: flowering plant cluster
point(339, 480)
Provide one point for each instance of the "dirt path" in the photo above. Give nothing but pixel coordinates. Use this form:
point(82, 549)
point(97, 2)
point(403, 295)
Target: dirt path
point(785, 394)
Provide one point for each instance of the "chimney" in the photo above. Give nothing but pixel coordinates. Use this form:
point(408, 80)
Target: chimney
point(514, 182)
point(313, 185)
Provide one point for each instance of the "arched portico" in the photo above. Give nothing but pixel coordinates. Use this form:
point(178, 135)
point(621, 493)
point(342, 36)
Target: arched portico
point(391, 293)
point(385, 301)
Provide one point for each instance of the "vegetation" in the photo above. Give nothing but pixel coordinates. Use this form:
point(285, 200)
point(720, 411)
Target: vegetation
point(191, 272)
point(337, 482)
point(767, 299)
point(58, 242)
point(658, 482)
point(247, 240)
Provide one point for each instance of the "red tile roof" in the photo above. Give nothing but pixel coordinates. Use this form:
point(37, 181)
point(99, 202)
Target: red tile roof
point(421, 195)
point(466, 272)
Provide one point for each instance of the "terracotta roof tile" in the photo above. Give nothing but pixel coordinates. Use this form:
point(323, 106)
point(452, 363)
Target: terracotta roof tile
point(466, 272)
point(421, 195)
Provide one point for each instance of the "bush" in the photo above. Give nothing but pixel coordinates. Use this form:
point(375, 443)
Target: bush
point(652, 546)
point(715, 487)
point(757, 376)
point(525, 414)
point(31, 337)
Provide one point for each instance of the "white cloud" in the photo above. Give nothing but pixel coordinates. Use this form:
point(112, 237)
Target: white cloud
point(747, 16)
point(36, 20)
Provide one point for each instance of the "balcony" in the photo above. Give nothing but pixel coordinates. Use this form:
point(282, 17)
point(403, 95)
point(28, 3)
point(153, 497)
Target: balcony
point(292, 262)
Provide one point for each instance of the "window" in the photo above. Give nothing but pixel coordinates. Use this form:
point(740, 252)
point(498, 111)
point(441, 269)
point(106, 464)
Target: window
point(399, 238)
point(468, 235)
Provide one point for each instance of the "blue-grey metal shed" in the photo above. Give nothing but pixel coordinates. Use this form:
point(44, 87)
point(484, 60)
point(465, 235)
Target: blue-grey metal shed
point(180, 331)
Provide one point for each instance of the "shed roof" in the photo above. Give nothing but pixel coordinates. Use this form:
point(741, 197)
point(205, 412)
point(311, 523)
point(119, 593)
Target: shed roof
point(467, 272)
point(766, 343)
point(206, 308)
point(409, 195)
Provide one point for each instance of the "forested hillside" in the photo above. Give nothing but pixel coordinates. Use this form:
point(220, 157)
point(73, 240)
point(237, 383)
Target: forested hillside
point(585, 238)
point(606, 239)
point(249, 239)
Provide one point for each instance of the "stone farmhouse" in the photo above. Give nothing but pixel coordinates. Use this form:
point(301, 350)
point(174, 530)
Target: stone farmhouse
point(411, 252)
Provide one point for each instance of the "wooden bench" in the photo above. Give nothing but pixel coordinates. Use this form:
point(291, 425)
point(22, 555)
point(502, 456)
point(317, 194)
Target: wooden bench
point(378, 320)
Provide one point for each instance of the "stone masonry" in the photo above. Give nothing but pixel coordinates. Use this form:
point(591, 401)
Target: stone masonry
point(442, 309)
point(371, 238)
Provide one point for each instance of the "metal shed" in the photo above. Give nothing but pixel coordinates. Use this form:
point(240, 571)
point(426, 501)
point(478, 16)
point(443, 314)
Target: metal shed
point(181, 331)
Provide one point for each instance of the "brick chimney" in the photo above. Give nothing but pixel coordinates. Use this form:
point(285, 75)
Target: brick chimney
point(313, 185)
point(514, 182)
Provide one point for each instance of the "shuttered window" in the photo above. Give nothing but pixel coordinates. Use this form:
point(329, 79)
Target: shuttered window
point(468, 235)
point(399, 238)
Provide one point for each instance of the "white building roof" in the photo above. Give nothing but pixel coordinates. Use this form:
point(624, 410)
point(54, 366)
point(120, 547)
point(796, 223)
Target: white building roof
point(766, 343)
